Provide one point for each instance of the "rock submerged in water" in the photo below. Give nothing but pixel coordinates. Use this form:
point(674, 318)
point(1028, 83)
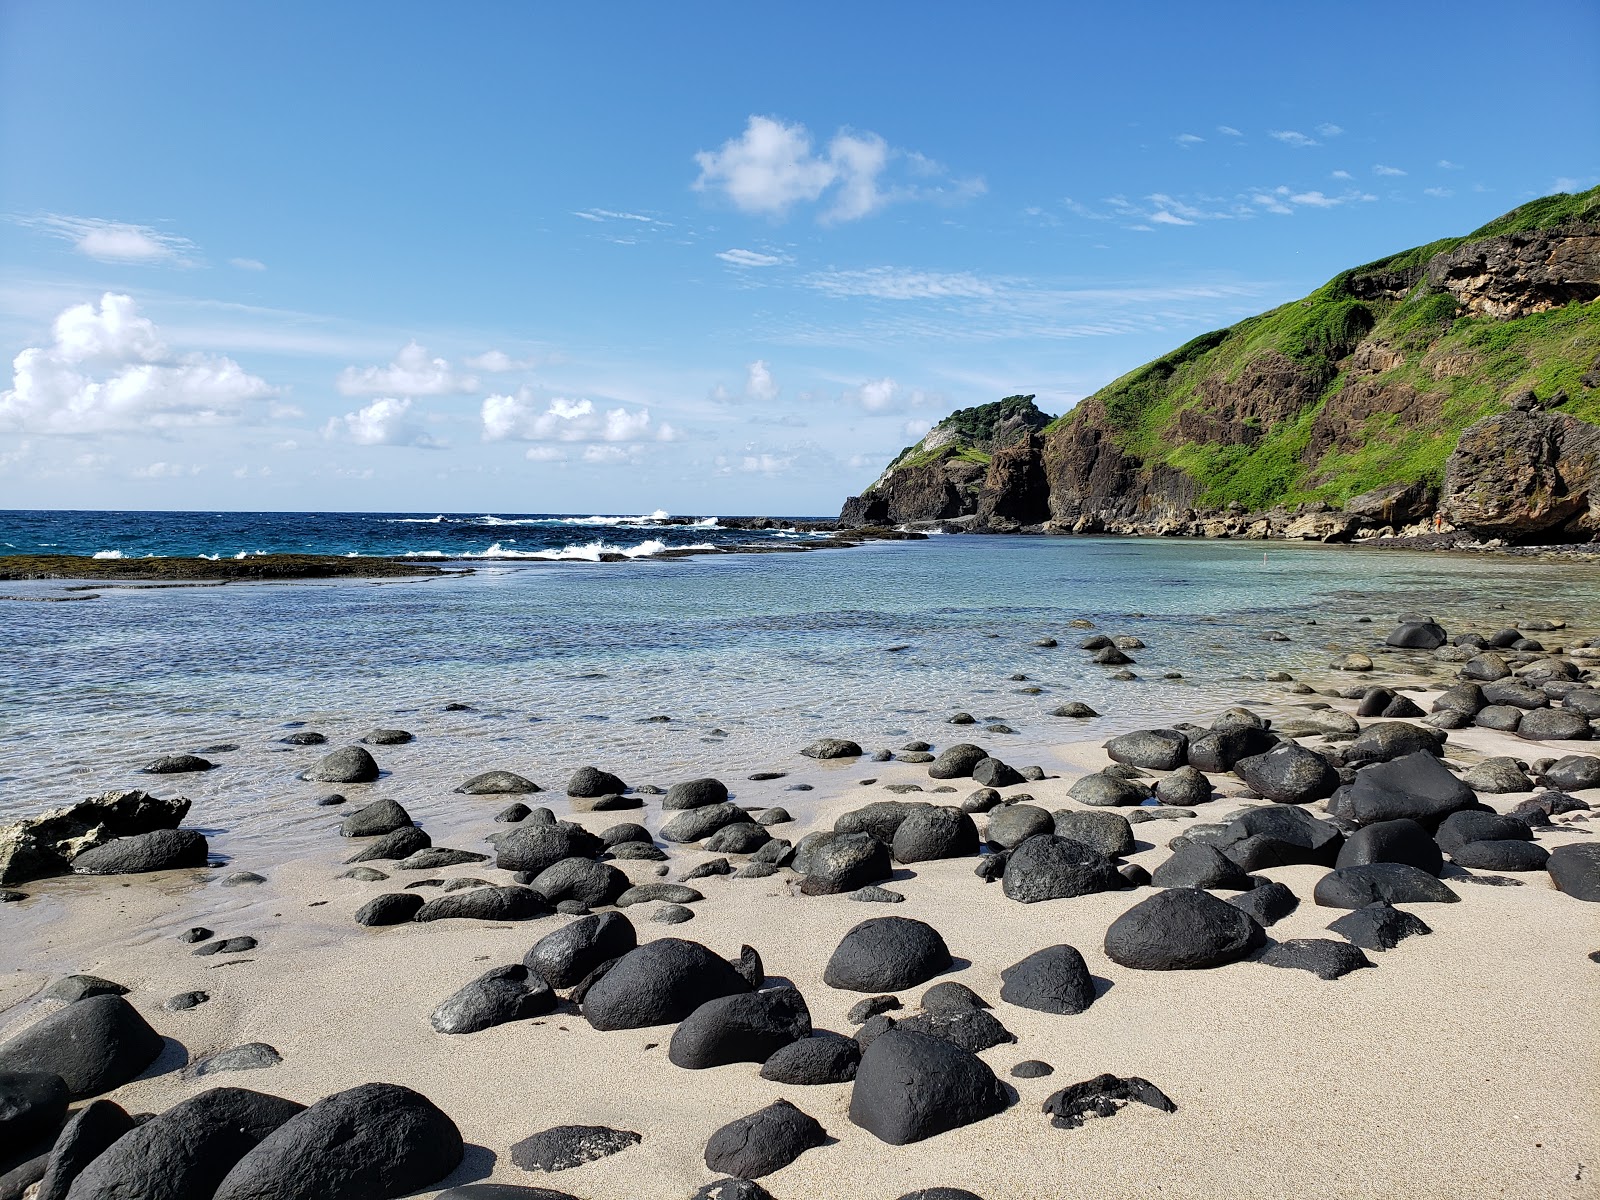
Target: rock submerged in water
point(375, 1140)
point(177, 764)
point(826, 748)
point(498, 783)
point(41, 846)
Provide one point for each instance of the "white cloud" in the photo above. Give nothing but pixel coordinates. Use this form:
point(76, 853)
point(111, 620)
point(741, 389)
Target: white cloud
point(1188, 139)
point(412, 373)
point(247, 264)
point(1163, 217)
point(753, 258)
point(1341, 175)
point(606, 454)
point(916, 427)
point(285, 412)
point(163, 470)
point(878, 395)
point(1439, 193)
point(107, 371)
point(384, 422)
point(114, 241)
point(545, 454)
point(766, 464)
point(1291, 137)
point(892, 283)
point(606, 214)
point(519, 418)
point(1315, 200)
point(1447, 165)
point(1228, 131)
point(248, 473)
point(496, 362)
point(1380, 169)
point(1328, 129)
point(772, 167)
point(759, 384)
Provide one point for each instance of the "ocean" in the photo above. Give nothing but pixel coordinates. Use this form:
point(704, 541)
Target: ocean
point(564, 662)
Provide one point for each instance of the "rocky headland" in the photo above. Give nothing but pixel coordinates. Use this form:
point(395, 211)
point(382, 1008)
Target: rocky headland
point(1451, 389)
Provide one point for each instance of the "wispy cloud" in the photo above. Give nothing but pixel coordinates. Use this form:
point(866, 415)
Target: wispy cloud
point(753, 258)
point(1439, 193)
point(1381, 169)
point(606, 214)
point(1447, 165)
point(1188, 139)
point(1291, 137)
point(114, 241)
point(247, 264)
point(1228, 131)
point(1329, 130)
point(894, 283)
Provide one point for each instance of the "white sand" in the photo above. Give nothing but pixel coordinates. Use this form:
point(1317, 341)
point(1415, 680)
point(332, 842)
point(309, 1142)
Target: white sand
point(1467, 1064)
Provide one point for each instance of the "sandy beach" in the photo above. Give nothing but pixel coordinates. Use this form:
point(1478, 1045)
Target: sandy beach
point(1467, 1063)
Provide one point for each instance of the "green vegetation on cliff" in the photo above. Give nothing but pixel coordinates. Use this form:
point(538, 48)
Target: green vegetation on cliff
point(973, 434)
point(1369, 380)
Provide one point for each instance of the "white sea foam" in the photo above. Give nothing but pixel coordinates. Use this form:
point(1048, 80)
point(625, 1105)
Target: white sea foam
point(109, 554)
point(416, 520)
point(587, 552)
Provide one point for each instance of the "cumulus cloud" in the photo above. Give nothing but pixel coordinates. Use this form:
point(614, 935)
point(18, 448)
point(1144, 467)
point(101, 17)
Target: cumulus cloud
point(164, 470)
point(114, 241)
point(605, 454)
point(759, 384)
point(753, 258)
point(773, 166)
point(107, 370)
point(878, 395)
point(1291, 137)
point(916, 427)
point(766, 464)
point(412, 373)
point(384, 422)
point(523, 418)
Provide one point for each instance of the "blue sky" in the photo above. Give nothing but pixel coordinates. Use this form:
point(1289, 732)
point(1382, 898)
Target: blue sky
point(517, 257)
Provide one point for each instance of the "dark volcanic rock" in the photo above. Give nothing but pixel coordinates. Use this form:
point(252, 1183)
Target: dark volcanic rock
point(252, 1056)
point(378, 1140)
point(1102, 1096)
point(825, 748)
point(695, 793)
point(886, 954)
point(1398, 841)
point(1218, 750)
point(1184, 788)
point(33, 1105)
point(1048, 867)
point(741, 837)
point(375, 819)
point(910, 1086)
point(1419, 635)
point(1398, 883)
point(844, 863)
point(159, 850)
point(41, 846)
point(432, 858)
point(1289, 774)
point(187, 1150)
point(391, 908)
point(881, 818)
point(820, 1058)
point(498, 783)
point(697, 824)
point(1378, 926)
point(349, 764)
point(177, 764)
point(1151, 749)
point(592, 884)
point(1417, 786)
point(1200, 866)
point(401, 843)
point(1268, 903)
point(535, 848)
point(1052, 980)
point(1323, 957)
point(567, 1146)
point(742, 1028)
point(1388, 740)
point(86, 1137)
point(934, 833)
point(494, 998)
point(1470, 825)
point(1014, 824)
point(1107, 832)
point(763, 1142)
point(1280, 835)
point(957, 762)
point(388, 737)
point(1107, 791)
point(564, 957)
point(589, 782)
point(659, 983)
point(79, 987)
point(992, 773)
point(487, 904)
point(94, 1045)
point(1501, 854)
point(1574, 869)
point(1574, 773)
point(1182, 929)
point(972, 1029)
point(1554, 725)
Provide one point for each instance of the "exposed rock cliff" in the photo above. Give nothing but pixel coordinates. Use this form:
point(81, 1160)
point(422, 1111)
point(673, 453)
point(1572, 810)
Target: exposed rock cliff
point(1328, 417)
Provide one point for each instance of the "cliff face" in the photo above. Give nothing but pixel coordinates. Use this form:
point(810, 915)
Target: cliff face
point(1339, 412)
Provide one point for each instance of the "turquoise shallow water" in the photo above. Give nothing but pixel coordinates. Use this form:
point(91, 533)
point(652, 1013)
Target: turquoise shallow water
point(562, 663)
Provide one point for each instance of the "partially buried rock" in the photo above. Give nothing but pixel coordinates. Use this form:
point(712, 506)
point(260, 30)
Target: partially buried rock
point(159, 850)
point(401, 843)
point(349, 764)
point(564, 957)
point(1398, 883)
point(825, 748)
point(1103, 1096)
point(1397, 841)
point(659, 983)
point(184, 1001)
point(487, 904)
point(1032, 1068)
point(728, 1189)
point(388, 737)
point(498, 783)
point(177, 764)
point(376, 1140)
point(1417, 786)
point(910, 1087)
point(1183, 788)
point(252, 1056)
point(1323, 957)
point(818, 1059)
point(592, 781)
point(1279, 835)
point(873, 894)
point(568, 1146)
point(1502, 854)
point(535, 848)
point(392, 908)
point(79, 987)
point(497, 996)
point(992, 773)
point(1471, 825)
point(94, 1045)
point(1047, 867)
point(1107, 791)
point(971, 1029)
point(697, 824)
point(885, 954)
point(431, 858)
point(740, 1028)
point(1182, 929)
point(763, 1142)
point(1388, 740)
point(1378, 926)
point(1200, 866)
point(189, 1149)
point(590, 883)
point(1052, 980)
point(1574, 869)
point(1267, 903)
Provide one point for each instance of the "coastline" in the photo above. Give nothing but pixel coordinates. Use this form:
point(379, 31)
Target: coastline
point(1256, 1059)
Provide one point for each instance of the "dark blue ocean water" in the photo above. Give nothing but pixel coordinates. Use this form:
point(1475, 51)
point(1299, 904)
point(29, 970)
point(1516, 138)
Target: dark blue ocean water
point(434, 535)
